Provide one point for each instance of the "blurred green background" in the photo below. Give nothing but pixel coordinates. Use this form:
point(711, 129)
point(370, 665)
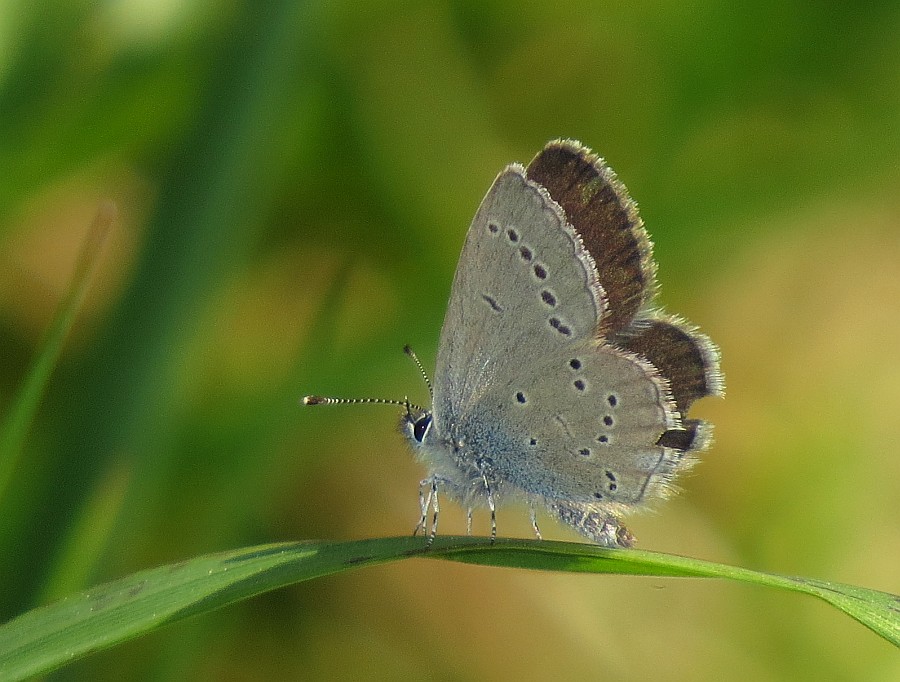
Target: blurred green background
point(294, 183)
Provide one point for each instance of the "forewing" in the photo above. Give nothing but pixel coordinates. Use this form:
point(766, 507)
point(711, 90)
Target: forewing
point(524, 286)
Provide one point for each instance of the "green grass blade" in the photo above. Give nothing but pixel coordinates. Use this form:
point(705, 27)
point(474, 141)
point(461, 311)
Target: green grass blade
point(879, 611)
point(50, 636)
point(14, 428)
point(87, 536)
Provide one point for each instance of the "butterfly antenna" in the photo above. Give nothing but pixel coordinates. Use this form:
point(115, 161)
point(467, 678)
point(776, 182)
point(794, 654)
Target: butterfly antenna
point(327, 400)
point(411, 353)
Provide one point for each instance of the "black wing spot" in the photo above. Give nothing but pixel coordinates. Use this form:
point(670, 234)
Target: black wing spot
point(540, 271)
point(612, 400)
point(526, 254)
point(603, 438)
point(608, 420)
point(548, 298)
point(612, 485)
point(677, 439)
point(579, 384)
point(513, 235)
point(532, 441)
point(599, 496)
point(575, 364)
point(557, 324)
point(585, 452)
point(492, 302)
point(493, 228)
point(521, 397)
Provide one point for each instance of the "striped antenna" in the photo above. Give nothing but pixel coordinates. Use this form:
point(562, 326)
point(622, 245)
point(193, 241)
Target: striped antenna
point(326, 400)
point(411, 353)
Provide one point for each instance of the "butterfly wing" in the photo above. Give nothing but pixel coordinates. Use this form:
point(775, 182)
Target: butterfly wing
point(553, 370)
point(582, 425)
point(524, 285)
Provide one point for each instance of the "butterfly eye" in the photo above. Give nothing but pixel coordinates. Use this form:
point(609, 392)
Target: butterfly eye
point(421, 426)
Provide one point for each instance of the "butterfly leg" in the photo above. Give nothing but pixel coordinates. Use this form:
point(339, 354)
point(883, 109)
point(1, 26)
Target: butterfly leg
point(534, 525)
point(424, 504)
point(469, 521)
point(492, 506)
point(434, 505)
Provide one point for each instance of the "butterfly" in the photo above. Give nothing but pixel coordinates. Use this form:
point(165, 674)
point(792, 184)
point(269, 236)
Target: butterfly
point(558, 382)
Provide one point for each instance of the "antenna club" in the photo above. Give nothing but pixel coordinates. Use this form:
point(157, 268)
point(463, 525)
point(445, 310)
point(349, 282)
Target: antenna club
point(315, 400)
